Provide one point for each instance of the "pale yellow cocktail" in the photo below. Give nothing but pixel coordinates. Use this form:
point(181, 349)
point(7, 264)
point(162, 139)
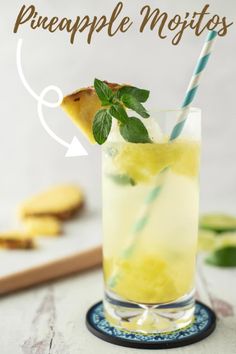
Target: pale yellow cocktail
point(161, 267)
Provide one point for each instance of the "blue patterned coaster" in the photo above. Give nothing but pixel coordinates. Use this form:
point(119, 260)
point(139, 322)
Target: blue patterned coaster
point(202, 326)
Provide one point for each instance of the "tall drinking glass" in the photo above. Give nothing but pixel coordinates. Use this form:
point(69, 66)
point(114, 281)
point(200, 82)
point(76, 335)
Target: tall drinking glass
point(150, 225)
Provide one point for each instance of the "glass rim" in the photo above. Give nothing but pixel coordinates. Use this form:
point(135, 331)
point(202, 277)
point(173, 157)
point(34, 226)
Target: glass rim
point(173, 110)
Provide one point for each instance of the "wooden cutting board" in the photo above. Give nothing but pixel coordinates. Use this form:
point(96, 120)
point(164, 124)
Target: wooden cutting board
point(78, 249)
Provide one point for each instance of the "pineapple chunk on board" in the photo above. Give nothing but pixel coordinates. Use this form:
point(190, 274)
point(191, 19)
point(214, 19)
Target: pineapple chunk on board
point(62, 202)
point(42, 226)
point(16, 240)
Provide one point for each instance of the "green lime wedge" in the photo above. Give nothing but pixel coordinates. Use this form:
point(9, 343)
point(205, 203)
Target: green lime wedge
point(225, 239)
point(218, 222)
point(223, 257)
point(206, 240)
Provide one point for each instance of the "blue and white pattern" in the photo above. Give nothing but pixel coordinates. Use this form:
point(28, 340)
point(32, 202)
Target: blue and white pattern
point(194, 83)
point(204, 322)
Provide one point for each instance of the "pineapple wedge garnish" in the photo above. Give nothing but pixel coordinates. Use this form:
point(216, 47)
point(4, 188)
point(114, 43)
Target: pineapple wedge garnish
point(82, 105)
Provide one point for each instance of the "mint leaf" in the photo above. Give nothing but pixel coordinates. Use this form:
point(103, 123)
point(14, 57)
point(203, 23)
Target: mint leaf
point(118, 111)
point(223, 257)
point(132, 103)
point(103, 91)
point(139, 94)
point(102, 126)
point(122, 180)
point(134, 131)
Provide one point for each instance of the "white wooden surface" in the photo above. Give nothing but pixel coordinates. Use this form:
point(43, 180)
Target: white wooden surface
point(50, 319)
point(79, 235)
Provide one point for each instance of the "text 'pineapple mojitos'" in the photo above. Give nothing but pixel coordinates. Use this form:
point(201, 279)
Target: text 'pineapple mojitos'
point(150, 203)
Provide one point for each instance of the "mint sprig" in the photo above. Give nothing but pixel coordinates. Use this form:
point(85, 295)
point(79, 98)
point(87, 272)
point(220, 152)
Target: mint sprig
point(132, 129)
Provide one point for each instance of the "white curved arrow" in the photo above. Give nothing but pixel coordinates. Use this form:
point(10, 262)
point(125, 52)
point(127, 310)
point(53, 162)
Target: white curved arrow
point(75, 148)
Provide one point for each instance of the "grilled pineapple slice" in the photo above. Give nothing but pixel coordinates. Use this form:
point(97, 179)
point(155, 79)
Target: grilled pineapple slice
point(61, 202)
point(16, 240)
point(42, 226)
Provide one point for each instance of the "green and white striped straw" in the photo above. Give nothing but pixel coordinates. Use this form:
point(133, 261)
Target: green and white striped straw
point(145, 212)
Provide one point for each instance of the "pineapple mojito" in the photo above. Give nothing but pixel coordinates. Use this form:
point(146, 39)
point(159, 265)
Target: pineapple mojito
point(148, 266)
point(161, 266)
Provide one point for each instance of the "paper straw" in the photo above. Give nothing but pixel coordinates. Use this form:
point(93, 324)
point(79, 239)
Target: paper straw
point(145, 213)
point(194, 84)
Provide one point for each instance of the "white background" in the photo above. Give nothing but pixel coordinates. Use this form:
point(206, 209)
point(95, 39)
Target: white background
point(30, 160)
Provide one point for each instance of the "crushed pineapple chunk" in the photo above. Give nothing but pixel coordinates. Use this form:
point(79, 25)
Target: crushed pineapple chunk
point(146, 279)
point(143, 161)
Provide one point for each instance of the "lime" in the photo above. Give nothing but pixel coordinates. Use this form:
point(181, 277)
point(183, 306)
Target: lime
point(206, 240)
point(218, 222)
point(223, 257)
point(225, 239)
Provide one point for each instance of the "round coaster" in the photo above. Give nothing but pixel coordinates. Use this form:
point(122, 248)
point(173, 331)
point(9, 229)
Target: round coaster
point(202, 326)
